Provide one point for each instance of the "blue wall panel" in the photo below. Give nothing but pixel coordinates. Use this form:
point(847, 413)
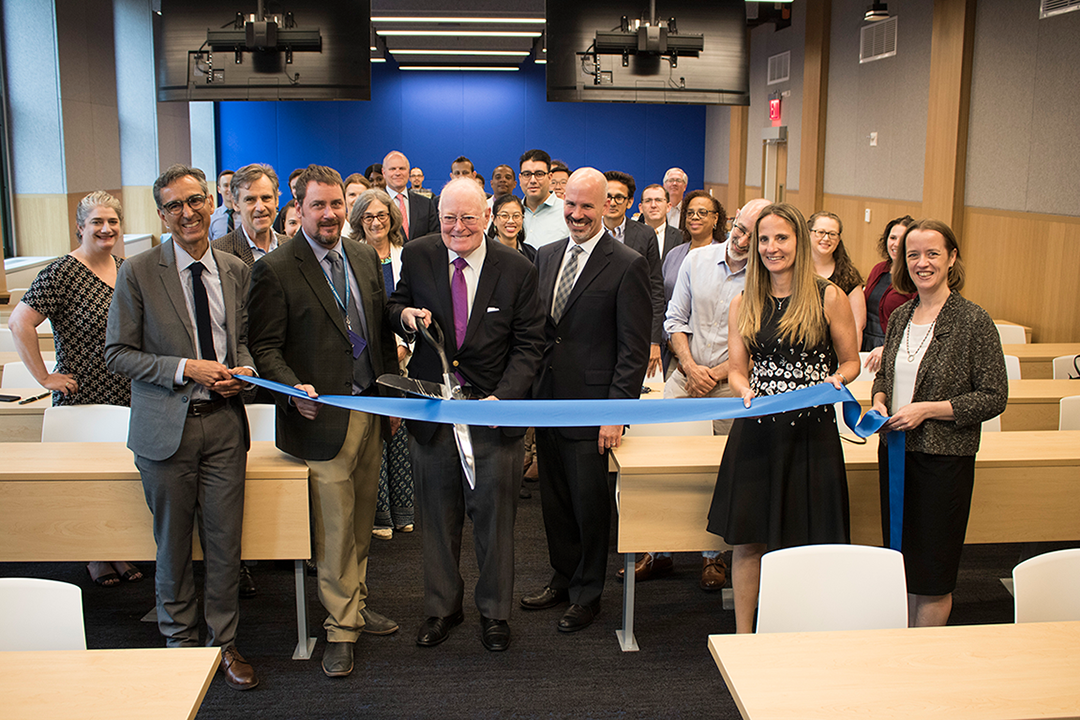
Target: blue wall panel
point(490, 117)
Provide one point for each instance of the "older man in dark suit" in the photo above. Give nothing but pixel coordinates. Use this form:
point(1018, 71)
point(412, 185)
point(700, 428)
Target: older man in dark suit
point(597, 293)
point(317, 323)
point(178, 328)
point(484, 297)
point(620, 196)
point(419, 214)
point(254, 190)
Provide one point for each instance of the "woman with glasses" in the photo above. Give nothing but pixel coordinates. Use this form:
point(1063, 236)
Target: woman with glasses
point(74, 293)
point(377, 222)
point(509, 225)
point(941, 377)
point(831, 262)
point(782, 481)
point(703, 221)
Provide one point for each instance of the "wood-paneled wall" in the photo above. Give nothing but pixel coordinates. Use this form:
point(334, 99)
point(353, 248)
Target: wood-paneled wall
point(1025, 267)
point(43, 225)
point(861, 237)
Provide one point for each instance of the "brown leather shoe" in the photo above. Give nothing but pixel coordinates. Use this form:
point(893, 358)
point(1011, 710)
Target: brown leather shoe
point(713, 573)
point(237, 671)
point(648, 567)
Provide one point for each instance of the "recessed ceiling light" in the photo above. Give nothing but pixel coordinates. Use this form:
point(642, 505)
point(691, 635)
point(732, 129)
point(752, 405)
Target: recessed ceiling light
point(477, 68)
point(459, 33)
point(488, 20)
point(503, 53)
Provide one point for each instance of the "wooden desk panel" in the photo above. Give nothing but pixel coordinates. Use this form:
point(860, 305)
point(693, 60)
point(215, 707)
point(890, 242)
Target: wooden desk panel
point(22, 423)
point(1027, 488)
point(130, 684)
point(71, 501)
point(981, 672)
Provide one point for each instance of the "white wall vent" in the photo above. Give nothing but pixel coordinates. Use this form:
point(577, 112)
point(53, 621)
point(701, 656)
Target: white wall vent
point(1049, 8)
point(780, 67)
point(878, 40)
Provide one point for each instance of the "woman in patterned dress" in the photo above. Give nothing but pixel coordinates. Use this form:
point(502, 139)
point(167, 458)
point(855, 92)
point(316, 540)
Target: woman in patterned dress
point(74, 293)
point(782, 481)
point(376, 220)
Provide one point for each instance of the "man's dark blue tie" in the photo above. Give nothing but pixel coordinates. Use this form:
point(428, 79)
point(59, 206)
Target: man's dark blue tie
point(202, 313)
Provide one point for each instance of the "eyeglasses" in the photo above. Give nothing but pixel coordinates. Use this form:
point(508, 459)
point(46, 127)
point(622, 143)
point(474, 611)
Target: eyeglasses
point(737, 227)
point(174, 208)
point(825, 233)
point(692, 214)
point(617, 199)
point(529, 174)
point(368, 218)
point(469, 221)
point(516, 217)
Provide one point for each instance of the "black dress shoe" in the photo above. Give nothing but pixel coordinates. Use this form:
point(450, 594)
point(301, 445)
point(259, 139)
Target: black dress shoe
point(247, 585)
point(436, 629)
point(578, 617)
point(337, 659)
point(546, 598)
point(495, 634)
point(376, 624)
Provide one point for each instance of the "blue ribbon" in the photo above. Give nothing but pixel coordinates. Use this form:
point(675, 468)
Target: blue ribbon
point(578, 413)
point(894, 445)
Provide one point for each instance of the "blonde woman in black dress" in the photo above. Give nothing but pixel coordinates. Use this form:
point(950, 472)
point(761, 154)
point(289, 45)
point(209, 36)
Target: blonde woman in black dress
point(782, 481)
point(74, 293)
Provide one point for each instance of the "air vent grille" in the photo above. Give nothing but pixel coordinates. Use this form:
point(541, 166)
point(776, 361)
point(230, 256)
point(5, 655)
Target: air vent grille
point(878, 40)
point(780, 68)
point(1049, 8)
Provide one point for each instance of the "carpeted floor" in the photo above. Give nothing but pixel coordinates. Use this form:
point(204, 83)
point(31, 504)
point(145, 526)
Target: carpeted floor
point(544, 674)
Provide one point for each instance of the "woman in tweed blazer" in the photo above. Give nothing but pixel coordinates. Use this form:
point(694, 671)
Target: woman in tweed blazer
point(942, 374)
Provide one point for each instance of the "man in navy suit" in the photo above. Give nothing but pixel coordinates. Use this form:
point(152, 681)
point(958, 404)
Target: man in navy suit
point(419, 216)
point(653, 207)
point(484, 297)
point(596, 292)
point(620, 196)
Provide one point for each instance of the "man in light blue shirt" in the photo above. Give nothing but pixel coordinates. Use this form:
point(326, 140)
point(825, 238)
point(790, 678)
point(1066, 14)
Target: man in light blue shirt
point(544, 221)
point(223, 220)
point(697, 321)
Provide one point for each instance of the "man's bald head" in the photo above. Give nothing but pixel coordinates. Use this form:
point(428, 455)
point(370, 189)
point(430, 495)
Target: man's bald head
point(583, 203)
point(742, 229)
point(396, 170)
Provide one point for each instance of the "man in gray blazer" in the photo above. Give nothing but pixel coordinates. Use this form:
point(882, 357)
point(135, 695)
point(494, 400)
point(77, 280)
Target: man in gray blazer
point(317, 323)
point(178, 328)
point(254, 190)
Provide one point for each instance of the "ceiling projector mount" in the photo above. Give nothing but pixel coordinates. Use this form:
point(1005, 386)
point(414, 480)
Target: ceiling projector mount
point(644, 37)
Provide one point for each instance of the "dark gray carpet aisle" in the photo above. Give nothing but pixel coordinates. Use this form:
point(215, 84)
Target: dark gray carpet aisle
point(544, 674)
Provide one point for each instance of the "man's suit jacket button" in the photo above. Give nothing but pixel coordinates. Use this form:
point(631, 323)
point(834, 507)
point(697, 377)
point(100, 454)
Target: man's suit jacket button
point(558, 340)
point(183, 399)
point(455, 363)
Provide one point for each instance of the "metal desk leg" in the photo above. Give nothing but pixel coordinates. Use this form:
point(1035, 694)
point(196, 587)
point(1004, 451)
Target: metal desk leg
point(304, 644)
point(627, 641)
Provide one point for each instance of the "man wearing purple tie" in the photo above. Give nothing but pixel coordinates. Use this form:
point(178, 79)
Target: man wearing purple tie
point(483, 295)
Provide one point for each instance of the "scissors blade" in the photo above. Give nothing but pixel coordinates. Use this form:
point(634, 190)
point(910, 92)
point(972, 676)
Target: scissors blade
point(452, 391)
point(412, 386)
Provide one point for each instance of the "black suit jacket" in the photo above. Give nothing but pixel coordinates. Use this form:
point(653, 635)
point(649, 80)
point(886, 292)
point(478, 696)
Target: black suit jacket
point(673, 237)
point(235, 243)
point(297, 335)
point(423, 216)
point(504, 340)
point(643, 239)
point(600, 346)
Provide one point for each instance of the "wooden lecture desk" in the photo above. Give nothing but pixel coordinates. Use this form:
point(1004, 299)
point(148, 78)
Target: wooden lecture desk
point(1033, 404)
point(962, 672)
point(129, 684)
point(1027, 489)
point(1037, 359)
point(66, 502)
point(22, 423)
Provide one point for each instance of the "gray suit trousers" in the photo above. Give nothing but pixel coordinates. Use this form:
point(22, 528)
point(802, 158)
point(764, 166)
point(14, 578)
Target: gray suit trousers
point(443, 499)
point(203, 481)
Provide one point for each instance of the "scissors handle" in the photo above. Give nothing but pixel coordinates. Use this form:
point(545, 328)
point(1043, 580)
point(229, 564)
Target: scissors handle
point(432, 334)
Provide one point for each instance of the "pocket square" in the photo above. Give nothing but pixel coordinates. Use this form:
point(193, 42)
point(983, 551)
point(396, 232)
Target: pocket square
point(493, 309)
